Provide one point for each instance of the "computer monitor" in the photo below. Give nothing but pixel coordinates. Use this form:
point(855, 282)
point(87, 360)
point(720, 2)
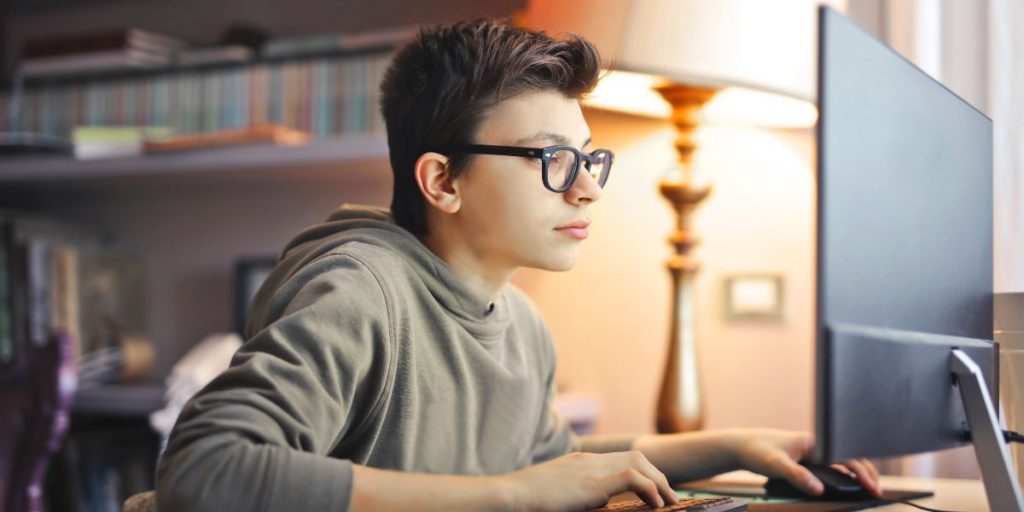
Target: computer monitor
point(904, 262)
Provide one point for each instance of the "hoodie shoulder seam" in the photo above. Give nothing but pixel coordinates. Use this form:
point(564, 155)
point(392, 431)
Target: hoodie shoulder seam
point(392, 346)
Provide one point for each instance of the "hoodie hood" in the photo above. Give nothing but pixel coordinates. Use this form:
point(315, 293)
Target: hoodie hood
point(375, 226)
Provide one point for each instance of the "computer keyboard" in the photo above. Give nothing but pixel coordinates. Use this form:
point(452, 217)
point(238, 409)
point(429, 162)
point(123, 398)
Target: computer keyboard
point(684, 505)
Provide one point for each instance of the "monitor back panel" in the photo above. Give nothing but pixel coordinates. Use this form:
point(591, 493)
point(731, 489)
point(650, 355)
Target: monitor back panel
point(904, 212)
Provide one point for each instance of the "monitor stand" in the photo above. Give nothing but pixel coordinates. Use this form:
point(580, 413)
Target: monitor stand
point(997, 473)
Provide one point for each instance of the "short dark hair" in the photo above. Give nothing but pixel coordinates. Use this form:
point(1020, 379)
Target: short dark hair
point(440, 86)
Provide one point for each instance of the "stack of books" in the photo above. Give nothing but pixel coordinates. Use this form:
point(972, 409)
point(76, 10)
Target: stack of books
point(289, 47)
point(57, 275)
point(213, 55)
point(93, 142)
point(96, 53)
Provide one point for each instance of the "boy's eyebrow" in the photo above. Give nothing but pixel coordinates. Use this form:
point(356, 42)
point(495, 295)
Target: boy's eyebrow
point(557, 138)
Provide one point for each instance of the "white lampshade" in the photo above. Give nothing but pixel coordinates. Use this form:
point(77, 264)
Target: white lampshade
point(761, 53)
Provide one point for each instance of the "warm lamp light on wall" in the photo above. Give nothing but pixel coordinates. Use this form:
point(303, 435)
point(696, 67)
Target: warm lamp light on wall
point(737, 62)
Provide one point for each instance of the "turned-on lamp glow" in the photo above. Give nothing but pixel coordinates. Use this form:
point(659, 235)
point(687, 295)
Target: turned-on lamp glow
point(746, 62)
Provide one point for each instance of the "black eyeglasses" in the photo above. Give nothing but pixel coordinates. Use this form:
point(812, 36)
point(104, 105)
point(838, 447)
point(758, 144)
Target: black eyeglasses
point(559, 164)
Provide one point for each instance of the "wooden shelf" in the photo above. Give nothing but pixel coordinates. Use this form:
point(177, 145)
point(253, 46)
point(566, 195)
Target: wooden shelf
point(27, 170)
point(118, 400)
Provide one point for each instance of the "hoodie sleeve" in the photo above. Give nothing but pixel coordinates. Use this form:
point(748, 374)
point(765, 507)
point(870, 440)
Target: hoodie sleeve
point(257, 437)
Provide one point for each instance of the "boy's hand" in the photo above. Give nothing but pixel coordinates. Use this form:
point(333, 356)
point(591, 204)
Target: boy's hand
point(776, 452)
point(581, 481)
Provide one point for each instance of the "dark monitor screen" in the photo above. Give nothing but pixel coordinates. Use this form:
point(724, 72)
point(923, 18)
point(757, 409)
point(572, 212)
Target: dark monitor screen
point(904, 249)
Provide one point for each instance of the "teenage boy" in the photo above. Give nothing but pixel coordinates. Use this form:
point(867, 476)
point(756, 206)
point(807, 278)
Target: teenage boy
point(389, 365)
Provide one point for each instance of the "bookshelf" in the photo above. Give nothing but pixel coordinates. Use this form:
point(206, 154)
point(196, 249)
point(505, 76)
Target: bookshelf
point(189, 216)
point(132, 401)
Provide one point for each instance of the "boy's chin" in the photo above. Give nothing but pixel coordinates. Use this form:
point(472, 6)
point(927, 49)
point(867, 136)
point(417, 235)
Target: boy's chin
point(557, 263)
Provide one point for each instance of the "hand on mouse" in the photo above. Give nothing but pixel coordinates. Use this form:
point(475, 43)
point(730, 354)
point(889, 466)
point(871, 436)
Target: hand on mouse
point(776, 452)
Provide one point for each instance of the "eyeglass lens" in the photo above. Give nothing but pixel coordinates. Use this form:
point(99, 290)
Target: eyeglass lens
point(563, 161)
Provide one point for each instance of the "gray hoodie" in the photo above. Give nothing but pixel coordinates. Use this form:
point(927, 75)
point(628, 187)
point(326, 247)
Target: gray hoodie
point(363, 346)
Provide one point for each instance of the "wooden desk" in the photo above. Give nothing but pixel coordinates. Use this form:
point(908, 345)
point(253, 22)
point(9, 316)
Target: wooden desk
point(950, 494)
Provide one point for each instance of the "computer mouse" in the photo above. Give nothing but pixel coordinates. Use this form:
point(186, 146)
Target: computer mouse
point(838, 486)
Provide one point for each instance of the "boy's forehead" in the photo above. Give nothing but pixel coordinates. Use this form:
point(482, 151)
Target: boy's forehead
point(550, 136)
point(533, 118)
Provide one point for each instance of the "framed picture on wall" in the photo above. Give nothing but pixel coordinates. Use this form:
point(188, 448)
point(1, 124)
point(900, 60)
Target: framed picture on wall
point(753, 297)
point(250, 273)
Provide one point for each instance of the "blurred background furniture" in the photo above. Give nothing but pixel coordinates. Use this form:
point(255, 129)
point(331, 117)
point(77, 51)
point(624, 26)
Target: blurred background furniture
point(35, 402)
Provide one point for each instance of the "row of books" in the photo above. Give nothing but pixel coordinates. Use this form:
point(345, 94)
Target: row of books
point(324, 96)
point(56, 275)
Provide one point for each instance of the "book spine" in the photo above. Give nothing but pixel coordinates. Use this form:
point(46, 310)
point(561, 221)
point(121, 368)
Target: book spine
point(5, 103)
point(117, 104)
point(64, 295)
point(63, 107)
point(354, 97)
point(77, 107)
point(18, 298)
point(158, 101)
point(211, 89)
point(275, 96)
point(258, 102)
point(46, 110)
point(6, 293)
point(142, 103)
point(244, 97)
point(378, 65)
point(322, 105)
point(306, 96)
point(35, 120)
point(289, 114)
point(37, 258)
point(340, 97)
point(193, 103)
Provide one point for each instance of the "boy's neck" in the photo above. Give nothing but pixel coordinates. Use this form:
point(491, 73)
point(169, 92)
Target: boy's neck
point(470, 266)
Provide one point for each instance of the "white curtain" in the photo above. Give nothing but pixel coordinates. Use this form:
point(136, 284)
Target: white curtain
point(1006, 93)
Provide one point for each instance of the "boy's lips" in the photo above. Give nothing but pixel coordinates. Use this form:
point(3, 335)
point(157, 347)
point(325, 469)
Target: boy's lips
point(577, 229)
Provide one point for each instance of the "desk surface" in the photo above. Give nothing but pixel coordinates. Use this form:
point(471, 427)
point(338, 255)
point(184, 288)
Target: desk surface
point(950, 494)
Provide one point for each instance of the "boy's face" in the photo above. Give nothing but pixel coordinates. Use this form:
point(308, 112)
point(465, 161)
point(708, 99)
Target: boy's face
point(509, 218)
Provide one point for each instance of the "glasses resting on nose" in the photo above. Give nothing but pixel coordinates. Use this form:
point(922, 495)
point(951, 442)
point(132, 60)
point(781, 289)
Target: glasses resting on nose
point(560, 165)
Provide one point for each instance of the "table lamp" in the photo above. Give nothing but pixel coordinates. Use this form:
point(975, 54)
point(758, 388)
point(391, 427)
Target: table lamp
point(747, 62)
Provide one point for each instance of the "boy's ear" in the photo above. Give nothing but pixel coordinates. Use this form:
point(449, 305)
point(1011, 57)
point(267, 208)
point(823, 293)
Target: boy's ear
point(431, 171)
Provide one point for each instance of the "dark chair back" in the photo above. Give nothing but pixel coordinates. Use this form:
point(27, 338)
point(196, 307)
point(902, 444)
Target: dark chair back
point(35, 403)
